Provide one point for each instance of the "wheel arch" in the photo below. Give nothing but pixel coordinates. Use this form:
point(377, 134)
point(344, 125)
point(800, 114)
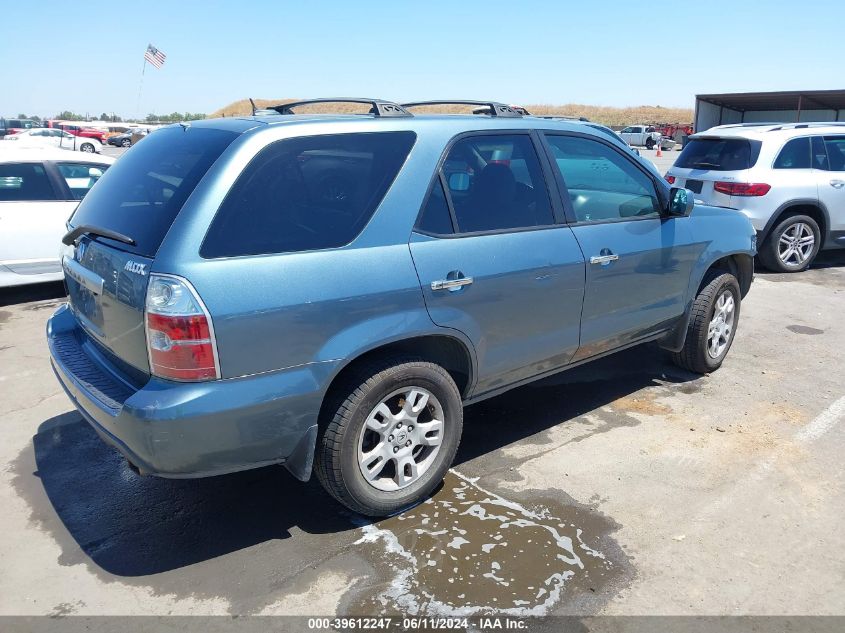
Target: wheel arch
point(739, 264)
point(449, 351)
point(804, 206)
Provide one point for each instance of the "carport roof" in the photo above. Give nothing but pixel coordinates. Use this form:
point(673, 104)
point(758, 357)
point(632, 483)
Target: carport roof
point(788, 100)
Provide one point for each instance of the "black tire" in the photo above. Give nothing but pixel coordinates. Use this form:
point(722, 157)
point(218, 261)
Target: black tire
point(125, 143)
point(768, 254)
point(87, 147)
point(649, 143)
point(695, 356)
point(346, 411)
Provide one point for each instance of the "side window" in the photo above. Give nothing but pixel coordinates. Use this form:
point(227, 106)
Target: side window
point(794, 155)
point(307, 193)
point(602, 184)
point(496, 182)
point(24, 182)
point(835, 152)
point(436, 217)
point(80, 177)
point(627, 130)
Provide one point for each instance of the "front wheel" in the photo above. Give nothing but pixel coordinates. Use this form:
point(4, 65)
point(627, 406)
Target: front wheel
point(792, 245)
point(712, 327)
point(389, 434)
point(87, 147)
point(649, 143)
point(125, 142)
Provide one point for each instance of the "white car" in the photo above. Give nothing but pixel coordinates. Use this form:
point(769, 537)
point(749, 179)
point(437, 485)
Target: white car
point(39, 189)
point(52, 137)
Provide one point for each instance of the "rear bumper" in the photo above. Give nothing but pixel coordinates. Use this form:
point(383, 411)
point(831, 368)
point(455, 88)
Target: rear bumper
point(180, 430)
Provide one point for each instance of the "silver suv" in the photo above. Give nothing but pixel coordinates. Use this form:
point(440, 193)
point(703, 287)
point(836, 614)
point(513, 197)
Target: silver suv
point(789, 179)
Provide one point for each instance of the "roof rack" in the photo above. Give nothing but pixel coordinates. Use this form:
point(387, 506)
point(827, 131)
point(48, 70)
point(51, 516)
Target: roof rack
point(378, 107)
point(800, 126)
point(493, 108)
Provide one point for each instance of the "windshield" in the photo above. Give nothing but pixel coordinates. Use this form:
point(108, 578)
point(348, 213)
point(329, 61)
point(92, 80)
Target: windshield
point(719, 154)
point(141, 195)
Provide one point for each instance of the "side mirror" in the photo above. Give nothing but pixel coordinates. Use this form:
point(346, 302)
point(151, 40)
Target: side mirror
point(681, 202)
point(94, 172)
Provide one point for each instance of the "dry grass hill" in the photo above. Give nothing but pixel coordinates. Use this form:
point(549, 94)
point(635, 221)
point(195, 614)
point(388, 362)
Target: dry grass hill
point(615, 117)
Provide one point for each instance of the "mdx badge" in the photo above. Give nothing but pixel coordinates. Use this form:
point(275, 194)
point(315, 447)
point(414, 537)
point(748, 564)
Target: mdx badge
point(135, 267)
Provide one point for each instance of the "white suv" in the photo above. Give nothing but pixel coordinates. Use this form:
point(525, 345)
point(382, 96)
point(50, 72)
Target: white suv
point(789, 179)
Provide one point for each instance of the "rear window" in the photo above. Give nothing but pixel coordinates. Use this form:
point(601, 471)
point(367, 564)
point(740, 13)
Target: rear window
point(307, 193)
point(142, 193)
point(719, 154)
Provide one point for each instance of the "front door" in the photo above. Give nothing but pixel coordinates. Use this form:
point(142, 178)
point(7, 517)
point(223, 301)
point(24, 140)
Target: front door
point(494, 264)
point(639, 261)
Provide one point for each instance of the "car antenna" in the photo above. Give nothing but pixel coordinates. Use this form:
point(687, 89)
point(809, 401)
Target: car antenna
point(252, 103)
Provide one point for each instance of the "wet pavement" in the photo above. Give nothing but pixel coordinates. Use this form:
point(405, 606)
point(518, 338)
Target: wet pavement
point(624, 486)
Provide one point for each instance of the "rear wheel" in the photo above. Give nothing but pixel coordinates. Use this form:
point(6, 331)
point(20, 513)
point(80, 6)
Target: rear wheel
point(712, 327)
point(125, 142)
point(389, 434)
point(792, 245)
point(87, 147)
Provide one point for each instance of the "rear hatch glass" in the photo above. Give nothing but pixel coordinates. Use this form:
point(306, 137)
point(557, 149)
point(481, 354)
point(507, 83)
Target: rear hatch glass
point(719, 154)
point(143, 192)
point(139, 197)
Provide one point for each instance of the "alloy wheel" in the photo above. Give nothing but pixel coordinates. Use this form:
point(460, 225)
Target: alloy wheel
point(796, 244)
point(721, 325)
point(400, 438)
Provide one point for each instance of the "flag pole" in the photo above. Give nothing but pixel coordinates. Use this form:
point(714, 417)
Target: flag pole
point(140, 86)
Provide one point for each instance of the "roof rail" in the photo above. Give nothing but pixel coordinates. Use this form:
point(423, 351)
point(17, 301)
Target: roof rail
point(378, 107)
point(799, 126)
point(493, 108)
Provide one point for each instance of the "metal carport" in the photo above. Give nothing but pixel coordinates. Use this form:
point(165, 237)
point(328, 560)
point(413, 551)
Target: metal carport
point(763, 107)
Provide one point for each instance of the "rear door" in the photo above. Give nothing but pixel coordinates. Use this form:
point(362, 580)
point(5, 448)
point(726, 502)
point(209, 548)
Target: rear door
point(830, 177)
point(638, 261)
point(493, 261)
point(32, 219)
point(138, 197)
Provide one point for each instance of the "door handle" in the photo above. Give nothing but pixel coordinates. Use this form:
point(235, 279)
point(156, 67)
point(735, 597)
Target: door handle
point(451, 284)
point(837, 184)
point(603, 259)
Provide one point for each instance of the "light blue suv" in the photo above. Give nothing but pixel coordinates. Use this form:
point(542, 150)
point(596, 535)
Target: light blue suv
point(328, 291)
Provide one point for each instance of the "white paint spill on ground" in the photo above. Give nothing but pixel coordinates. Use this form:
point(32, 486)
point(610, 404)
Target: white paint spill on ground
point(449, 556)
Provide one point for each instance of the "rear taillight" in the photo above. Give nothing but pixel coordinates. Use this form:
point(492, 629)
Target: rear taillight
point(670, 179)
point(742, 188)
point(180, 336)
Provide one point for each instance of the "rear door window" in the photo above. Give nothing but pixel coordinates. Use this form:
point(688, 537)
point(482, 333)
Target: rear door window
point(142, 193)
point(719, 154)
point(794, 155)
point(27, 182)
point(495, 183)
point(306, 193)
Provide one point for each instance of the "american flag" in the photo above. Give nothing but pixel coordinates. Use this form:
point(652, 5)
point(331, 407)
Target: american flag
point(154, 56)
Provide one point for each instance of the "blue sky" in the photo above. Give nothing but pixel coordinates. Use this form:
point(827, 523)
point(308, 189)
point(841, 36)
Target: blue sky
point(89, 58)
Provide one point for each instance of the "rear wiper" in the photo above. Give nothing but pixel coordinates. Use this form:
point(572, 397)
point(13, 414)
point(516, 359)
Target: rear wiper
point(711, 165)
point(70, 236)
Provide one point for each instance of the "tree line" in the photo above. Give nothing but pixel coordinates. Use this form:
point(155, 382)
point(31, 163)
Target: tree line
point(173, 117)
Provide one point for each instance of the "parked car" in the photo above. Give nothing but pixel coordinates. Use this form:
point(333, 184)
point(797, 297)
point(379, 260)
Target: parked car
point(645, 135)
point(128, 138)
point(331, 292)
point(84, 132)
point(13, 126)
point(47, 137)
point(39, 189)
point(789, 179)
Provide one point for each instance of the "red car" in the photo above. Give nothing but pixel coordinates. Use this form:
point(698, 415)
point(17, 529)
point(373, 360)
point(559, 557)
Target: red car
point(78, 130)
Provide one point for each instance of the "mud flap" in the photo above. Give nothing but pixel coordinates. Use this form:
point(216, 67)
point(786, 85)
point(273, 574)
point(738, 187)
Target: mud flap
point(677, 336)
point(302, 459)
